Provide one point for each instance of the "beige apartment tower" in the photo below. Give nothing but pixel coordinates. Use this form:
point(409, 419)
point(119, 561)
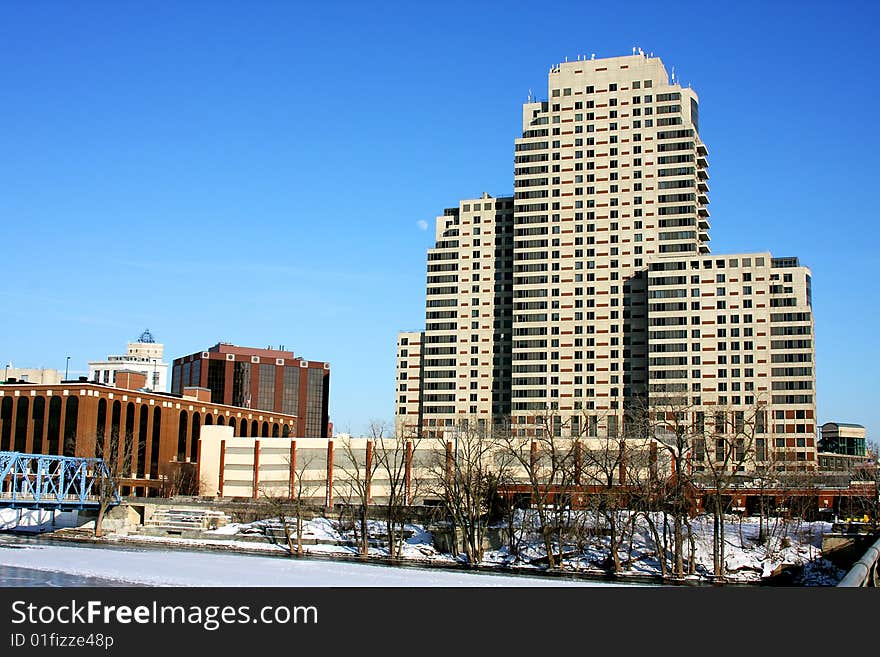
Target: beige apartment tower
point(545, 304)
point(458, 369)
point(731, 345)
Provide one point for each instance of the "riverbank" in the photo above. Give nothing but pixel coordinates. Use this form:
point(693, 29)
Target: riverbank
point(127, 564)
point(789, 555)
point(315, 554)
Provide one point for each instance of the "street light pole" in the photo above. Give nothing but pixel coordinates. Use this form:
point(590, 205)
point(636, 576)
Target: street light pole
point(66, 368)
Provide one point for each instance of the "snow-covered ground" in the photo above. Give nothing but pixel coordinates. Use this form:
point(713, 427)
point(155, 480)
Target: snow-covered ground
point(36, 519)
point(188, 568)
point(789, 543)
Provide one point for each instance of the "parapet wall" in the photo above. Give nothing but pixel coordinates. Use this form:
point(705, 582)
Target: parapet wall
point(318, 470)
point(329, 471)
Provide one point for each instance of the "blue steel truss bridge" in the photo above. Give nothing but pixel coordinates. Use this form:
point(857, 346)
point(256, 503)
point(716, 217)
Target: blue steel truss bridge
point(64, 483)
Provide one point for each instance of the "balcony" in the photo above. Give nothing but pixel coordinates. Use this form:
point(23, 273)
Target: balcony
point(702, 174)
point(702, 162)
point(703, 198)
point(703, 211)
point(702, 223)
point(702, 185)
point(704, 248)
point(702, 150)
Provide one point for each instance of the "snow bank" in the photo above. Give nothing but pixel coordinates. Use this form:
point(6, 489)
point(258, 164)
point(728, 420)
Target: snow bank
point(753, 550)
point(182, 568)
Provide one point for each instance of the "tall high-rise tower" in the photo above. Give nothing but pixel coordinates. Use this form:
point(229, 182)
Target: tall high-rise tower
point(609, 173)
point(459, 368)
point(610, 176)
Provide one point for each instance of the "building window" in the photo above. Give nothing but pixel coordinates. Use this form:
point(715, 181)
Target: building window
point(241, 384)
point(315, 404)
point(217, 380)
point(266, 388)
point(760, 449)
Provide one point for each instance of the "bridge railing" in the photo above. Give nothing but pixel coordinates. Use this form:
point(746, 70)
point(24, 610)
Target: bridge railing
point(44, 480)
point(866, 571)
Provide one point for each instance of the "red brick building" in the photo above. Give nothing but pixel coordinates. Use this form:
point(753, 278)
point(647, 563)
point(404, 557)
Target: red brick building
point(265, 379)
point(83, 418)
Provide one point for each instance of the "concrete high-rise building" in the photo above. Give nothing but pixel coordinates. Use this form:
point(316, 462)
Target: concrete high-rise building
point(409, 412)
point(610, 172)
point(731, 343)
point(460, 366)
point(544, 307)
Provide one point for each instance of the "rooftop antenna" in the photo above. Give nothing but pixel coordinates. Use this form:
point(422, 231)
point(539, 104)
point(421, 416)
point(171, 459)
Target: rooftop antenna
point(673, 75)
point(530, 95)
point(634, 50)
point(593, 56)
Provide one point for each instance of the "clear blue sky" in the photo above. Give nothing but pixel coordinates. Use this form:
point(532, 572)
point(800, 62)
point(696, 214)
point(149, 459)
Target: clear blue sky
point(255, 172)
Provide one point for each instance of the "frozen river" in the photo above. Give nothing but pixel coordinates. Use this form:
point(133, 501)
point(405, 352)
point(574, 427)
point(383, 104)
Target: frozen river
point(30, 563)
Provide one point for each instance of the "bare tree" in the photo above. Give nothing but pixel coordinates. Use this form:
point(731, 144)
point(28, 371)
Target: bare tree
point(355, 489)
point(678, 434)
point(179, 478)
point(291, 505)
point(465, 475)
point(116, 452)
point(862, 473)
point(731, 441)
point(768, 479)
point(551, 465)
point(604, 464)
point(650, 495)
point(869, 473)
point(393, 456)
point(513, 506)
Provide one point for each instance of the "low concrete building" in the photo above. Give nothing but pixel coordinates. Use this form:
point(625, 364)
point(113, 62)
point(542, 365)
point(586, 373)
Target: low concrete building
point(843, 448)
point(843, 438)
point(322, 471)
point(31, 374)
point(144, 355)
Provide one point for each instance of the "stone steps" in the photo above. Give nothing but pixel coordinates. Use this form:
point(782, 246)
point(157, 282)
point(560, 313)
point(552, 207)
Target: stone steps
point(193, 520)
